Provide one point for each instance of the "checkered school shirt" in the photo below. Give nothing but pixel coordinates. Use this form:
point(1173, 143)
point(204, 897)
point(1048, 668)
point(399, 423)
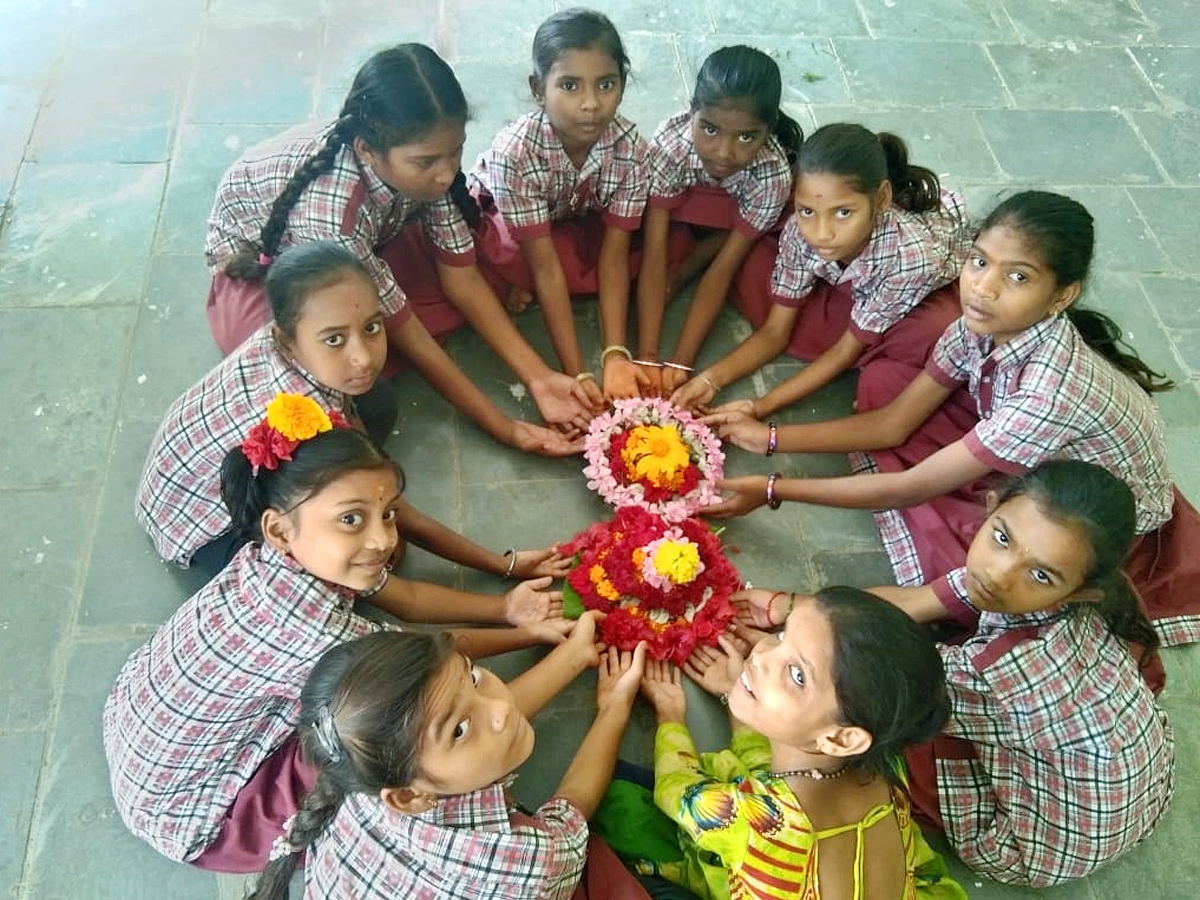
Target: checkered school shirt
point(465, 847)
point(179, 497)
point(533, 181)
point(348, 204)
point(1074, 762)
point(761, 189)
point(200, 706)
point(1044, 394)
point(908, 256)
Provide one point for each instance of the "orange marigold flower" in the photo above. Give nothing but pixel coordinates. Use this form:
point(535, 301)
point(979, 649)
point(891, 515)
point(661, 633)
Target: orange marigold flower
point(297, 417)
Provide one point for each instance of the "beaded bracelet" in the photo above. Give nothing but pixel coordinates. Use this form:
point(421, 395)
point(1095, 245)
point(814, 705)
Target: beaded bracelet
point(615, 348)
point(773, 501)
point(772, 437)
point(511, 553)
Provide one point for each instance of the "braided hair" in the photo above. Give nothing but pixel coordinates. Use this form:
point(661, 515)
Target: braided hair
point(362, 711)
point(399, 96)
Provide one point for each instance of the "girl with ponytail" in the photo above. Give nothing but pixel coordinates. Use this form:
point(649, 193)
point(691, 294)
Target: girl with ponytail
point(384, 180)
point(415, 748)
point(198, 727)
point(864, 268)
point(1056, 757)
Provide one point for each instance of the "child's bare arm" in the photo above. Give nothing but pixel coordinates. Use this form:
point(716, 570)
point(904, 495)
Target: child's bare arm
point(536, 686)
point(588, 775)
point(710, 296)
point(652, 286)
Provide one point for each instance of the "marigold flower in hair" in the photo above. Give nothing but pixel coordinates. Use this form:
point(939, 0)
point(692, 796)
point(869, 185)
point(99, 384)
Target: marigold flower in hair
point(291, 419)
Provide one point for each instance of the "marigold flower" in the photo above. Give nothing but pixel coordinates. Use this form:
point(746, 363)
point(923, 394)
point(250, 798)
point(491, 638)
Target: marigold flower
point(297, 417)
point(656, 453)
point(677, 561)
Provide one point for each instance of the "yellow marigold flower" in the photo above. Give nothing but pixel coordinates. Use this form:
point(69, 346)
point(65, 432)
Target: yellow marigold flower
point(297, 417)
point(677, 561)
point(657, 454)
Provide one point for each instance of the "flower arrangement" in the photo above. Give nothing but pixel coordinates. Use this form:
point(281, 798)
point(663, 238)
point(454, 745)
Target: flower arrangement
point(649, 454)
point(290, 420)
point(666, 583)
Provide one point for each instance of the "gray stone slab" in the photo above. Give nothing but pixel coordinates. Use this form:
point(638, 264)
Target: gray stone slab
point(20, 768)
point(1185, 464)
point(1123, 238)
point(43, 547)
point(1079, 22)
point(833, 18)
point(940, 20)
point(171, 345)
point(1169, 213)
point(127, 585)
point(61, 403)
point(1077, 77)
point(250, 73)
point(18, 110)
point(656, 88)
point(892, 73)
point(1169, 22)
point(79, 234)
point(32, 40)
point(808, 66)
point(1067, 147)
point(1177, 302)
point(1175, 72)
point(467, 29)
point(202, 155)
point(78, 838)
point(363, 29)
point(175, 25)
point(498, 93)
point(1174, 138)
point(102, 109)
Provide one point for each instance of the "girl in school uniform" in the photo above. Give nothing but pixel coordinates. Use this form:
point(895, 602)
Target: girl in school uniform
point(198, 729)
point(415, 746)
point(1056, 758)
point(1050, 381)
point(855, 274)
point(326, 341)
point(562, 191)
point(384, 181)
point(720, 174)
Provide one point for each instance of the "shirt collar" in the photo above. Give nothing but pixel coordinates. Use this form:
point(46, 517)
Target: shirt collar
point(997, 621)
point(1021, 346)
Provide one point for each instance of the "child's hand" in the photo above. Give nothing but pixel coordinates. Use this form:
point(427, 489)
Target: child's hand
point(623, 378)
point(593, 397)
point(672, 379)
point(761, 608)
point(740, 430)
point(619, 675)
point(662, 686)
point(716, 670)
point(541, 440)
point(742, 495)
point(744, 407)
point(695, 393)
point(541, 563)
point(529, 602)
point(561, 401)
point(582, 641)
point(654, 377)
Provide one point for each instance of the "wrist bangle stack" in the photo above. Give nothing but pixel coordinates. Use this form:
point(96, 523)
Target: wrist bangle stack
point(614, 348)
point(773, 501)
point(772, 437)
point(511, 553)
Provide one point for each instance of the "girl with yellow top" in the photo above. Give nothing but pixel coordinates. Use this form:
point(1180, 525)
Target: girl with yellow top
point(807, 801)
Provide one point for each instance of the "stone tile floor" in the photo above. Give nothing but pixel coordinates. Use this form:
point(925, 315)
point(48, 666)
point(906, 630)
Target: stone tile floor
point(118, 116)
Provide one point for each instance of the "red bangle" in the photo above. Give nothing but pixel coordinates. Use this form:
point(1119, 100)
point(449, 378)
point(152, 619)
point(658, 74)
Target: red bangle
point(772, 437)
point(771, 602)
point(773, 501)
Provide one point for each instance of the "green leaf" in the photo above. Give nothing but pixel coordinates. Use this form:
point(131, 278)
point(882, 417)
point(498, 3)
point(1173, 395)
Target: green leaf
point(572, 602)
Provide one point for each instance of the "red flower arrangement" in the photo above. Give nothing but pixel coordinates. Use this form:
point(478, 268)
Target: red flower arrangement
point(290, 420)
point(664, 583)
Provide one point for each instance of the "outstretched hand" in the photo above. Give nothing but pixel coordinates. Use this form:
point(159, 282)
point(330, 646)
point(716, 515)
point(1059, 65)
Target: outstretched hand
point(662, 686)
point(542, 440)
point(529, 602)
point(619, 675)
point(624, 378)
point(716, 669)
point(562, 402)
point(695, 393)
point(760, 608)
point(539, 563)
point(740, 429)
point(742, 495)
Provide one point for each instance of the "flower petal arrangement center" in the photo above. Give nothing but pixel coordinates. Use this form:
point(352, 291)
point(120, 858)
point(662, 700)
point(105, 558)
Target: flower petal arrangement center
point(649, 454)
point(664, 583)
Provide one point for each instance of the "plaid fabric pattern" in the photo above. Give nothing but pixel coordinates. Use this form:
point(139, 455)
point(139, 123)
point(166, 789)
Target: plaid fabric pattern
point(198, 708)
point(465, 847)
point(179, 496)
point(897, 540)
point(1045, 394)
point(347, 204)
point(908, 256)
point(761, 189)
point(1074, 759)
point(533, 181)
